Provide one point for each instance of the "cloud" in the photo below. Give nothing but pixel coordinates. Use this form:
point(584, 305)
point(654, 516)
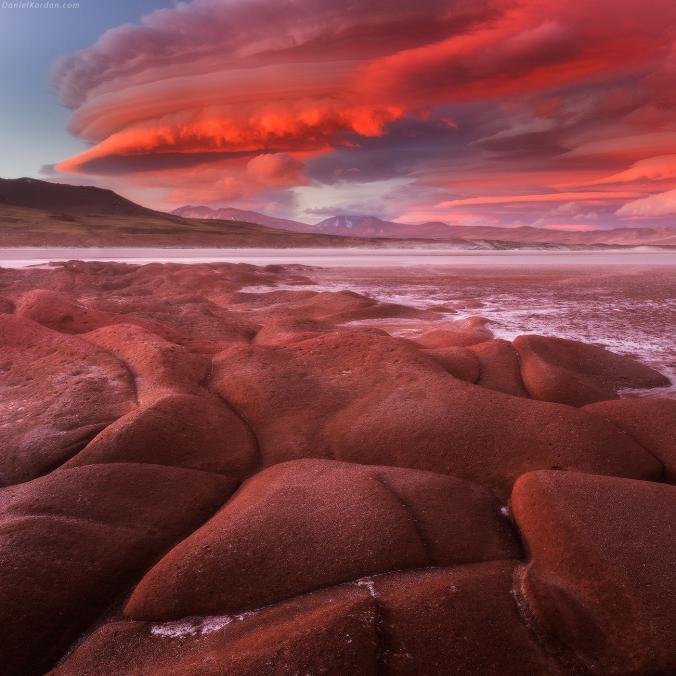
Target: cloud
point(533, 44)
point(276, 169)
point(212, 76)
point(233, 100)
point(652, 168)
point(376, 198)
point(622, 146)
point(531, 199)
point(661, 204)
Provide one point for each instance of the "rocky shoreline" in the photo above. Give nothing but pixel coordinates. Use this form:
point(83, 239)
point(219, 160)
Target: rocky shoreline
point(198, 478)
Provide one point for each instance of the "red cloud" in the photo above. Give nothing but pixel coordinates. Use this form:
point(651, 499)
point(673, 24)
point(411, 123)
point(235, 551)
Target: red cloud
point(230, 98)
point(276, 169)
point(247, 75)
point(597, 196)
point(534, 44)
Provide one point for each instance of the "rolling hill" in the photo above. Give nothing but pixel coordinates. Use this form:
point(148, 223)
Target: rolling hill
point(40, 213)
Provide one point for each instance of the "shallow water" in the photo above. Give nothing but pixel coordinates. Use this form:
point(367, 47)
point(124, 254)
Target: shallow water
point(630, 308)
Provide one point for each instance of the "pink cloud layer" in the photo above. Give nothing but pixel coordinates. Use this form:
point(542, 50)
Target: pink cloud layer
point(226, 100)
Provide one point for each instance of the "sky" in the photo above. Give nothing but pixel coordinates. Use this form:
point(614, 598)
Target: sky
point(550, 113)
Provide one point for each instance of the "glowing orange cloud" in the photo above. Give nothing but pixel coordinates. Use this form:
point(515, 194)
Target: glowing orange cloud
point(538, 99)
point(530, 199)
point(301, 127)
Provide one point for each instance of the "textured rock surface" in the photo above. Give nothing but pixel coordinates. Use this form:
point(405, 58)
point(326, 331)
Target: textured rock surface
point(373, 399)
point(329, 632)
point(499, 367)
point(308, 524)
point(56, 393)
point(58, 312)
point(652, 422)
point(219, 469)
point(183, 430)
point(458, 333)
point(602, 569)
point(460, 620)
point(555, 369)
point(71, 541)
point(458, 361)
point(158, 367)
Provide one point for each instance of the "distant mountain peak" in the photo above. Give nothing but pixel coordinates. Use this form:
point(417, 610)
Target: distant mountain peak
point(373, 226)
point(353, 222)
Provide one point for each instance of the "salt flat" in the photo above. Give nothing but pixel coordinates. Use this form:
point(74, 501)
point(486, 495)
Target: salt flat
point(17, 257)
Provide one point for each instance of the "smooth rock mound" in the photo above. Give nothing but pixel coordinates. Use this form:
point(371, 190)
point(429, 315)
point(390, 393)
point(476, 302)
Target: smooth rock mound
point(71, 541)
point(300, 526)
point(457, 621)
point(57, 311)
point(601, 576)
point(328, 632)
point(651, 421)
point(379, 400)
point(569, 372)
point(499, 367)
point(460, 362)
point(458, 333)
point(158, 366)
point(181, 430)
point(56, 393)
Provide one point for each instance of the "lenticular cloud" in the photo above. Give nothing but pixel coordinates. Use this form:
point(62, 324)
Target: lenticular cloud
point(249, 93)
point(238, 76)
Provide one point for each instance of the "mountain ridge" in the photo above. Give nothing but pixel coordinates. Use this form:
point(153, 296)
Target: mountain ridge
point(42, 213)
point(373, 226)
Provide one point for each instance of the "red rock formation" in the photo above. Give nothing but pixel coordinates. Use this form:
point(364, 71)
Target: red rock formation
point(142, 395)
point(281, 331)
point(555, 369)
point(58, 312)
point(71, 541)
point(6, 306)
point(158, 366)
point(601, 573)
point(457, 621)
point(57, 392)
point(650, 421)
point(331, 631)
point(378, 400)
point(460, 620)
point(499, 367)
point(460, 362)
point(182, 430)
point(458, 333)
point(308, 524)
